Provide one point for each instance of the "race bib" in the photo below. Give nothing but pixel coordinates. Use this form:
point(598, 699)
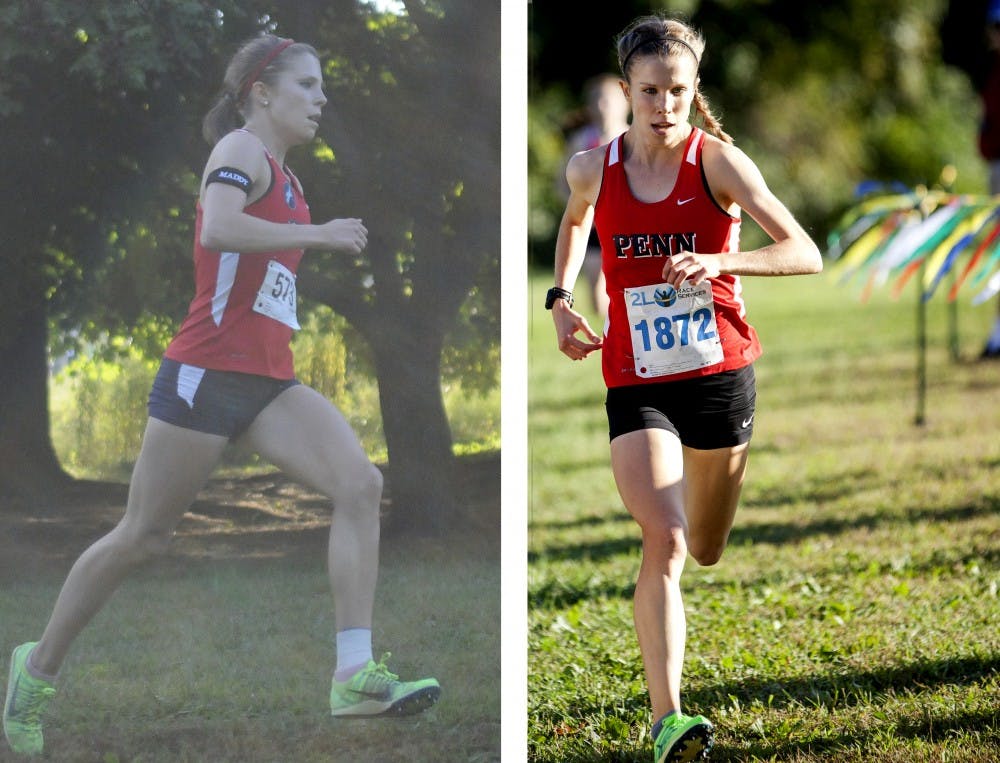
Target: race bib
point(672, 330)
point(276, 298)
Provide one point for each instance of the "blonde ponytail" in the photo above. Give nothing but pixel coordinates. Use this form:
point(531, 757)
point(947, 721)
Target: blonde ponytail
point(221, 119)
point(712, 124)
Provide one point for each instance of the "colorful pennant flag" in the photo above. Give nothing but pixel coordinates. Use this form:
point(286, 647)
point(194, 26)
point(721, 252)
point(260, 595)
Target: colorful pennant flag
point(894, 236)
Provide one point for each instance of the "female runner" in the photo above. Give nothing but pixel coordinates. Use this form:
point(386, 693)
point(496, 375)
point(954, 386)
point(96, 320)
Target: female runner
point(228, 375)
point(677, 351)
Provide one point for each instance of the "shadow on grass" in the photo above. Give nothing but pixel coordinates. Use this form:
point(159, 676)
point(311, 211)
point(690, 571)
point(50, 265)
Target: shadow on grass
point(556, 594)
point(833, 487)
point(784, 532)
point(830, 692)
point(861, 743)
point(751, 533)
point(849, 688)
point(253, 517)
point(581, 522)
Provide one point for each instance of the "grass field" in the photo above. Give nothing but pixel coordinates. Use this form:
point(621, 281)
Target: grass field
point(855, 615)
point(223, 651)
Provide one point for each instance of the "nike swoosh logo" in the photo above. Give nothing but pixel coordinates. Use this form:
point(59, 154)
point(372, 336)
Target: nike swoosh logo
point(682, 202)
point(746, 422)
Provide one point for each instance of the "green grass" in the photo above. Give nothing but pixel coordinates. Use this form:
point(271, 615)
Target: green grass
point(854, 616)
point(230, 659)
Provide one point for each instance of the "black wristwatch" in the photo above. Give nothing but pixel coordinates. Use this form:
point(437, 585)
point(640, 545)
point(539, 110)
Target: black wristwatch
point(556, 293)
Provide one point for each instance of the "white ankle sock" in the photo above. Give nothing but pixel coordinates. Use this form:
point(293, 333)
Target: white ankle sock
point(354, 650)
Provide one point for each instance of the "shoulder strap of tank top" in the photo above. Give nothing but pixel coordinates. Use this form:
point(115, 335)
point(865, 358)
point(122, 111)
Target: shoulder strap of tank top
point(696, 141)
point(614, 152)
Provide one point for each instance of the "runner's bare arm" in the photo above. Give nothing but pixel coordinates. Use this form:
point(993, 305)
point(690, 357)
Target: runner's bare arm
point(227, 227)
point(583, 175)
point(736, 183)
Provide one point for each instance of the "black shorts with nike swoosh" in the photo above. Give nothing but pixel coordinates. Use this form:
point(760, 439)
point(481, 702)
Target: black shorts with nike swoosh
point(705, 412)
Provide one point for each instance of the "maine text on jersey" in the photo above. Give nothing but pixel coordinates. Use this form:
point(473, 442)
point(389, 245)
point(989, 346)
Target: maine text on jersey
point(638, 245)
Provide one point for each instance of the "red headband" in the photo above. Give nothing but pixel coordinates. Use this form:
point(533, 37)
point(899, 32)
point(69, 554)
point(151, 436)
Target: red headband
point(275, 52)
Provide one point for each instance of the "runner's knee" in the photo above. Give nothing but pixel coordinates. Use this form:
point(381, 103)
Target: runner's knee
point(152, 544)
point(665, 542)
point(142, 544)
point(706, 552)
point(363, 494)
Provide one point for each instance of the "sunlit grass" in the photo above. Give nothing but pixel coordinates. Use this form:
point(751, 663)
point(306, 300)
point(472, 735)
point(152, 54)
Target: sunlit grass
point(853, 616)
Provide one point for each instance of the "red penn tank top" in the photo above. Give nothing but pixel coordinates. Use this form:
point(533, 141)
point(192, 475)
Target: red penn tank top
point(636, 238)
point(244, 309)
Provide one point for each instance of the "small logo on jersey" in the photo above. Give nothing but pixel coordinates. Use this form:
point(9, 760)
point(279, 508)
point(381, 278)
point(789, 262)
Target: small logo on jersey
point(665, 297)
point(289, 196)
point(748, 422)
point(682, 202)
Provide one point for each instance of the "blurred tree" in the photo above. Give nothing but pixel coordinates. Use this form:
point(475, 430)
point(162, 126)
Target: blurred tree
point(104, 169)
point(97, 131)
point(414, 150)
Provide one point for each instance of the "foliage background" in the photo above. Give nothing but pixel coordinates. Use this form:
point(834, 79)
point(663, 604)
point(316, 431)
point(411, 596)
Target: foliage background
point(111, 394)
point(101, 108)
point(821, 96)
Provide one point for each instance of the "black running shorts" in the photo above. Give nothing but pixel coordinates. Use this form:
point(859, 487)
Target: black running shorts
point(216, 402)
point(705, 412)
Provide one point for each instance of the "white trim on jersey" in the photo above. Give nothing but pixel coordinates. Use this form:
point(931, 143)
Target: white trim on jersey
point(228, 262)
point(692, 154)
point(613, 154)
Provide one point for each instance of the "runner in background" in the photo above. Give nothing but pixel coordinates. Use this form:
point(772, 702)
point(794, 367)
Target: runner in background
point(606, 117)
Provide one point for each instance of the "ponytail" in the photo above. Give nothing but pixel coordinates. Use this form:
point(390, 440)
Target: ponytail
point(221, 119)
point(711, 122)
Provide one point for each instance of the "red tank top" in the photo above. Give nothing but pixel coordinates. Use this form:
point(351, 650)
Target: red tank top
point(243, 312)
point(636, 237)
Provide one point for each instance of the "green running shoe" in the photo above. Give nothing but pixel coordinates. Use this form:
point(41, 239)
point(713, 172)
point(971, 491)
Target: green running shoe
point(373, 690)
point(27, 698)
point(683, 738)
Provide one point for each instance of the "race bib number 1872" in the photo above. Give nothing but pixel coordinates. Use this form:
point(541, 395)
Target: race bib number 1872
point(673, 330)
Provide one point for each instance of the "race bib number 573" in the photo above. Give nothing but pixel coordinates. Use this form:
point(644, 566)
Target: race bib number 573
point(277, 298)
point(673, 330)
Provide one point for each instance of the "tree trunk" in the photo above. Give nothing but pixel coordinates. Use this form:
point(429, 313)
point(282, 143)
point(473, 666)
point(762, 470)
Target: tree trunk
point(29, 469)
point(421, 464)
